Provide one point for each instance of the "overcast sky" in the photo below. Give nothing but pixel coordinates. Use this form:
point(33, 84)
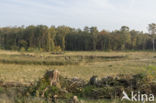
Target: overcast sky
point(105, 14)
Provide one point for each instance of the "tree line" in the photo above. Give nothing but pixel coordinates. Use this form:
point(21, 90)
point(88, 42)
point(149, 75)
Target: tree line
point(42, 37)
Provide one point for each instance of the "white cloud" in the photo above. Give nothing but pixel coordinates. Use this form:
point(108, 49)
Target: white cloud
point(109, 14)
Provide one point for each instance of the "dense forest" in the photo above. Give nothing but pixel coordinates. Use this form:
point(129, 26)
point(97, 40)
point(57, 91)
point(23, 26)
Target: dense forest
point(53, 38)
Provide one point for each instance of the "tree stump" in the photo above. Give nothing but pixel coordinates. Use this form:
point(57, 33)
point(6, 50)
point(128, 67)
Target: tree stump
point(74, 100)
point(93, 80)
point(53, 77)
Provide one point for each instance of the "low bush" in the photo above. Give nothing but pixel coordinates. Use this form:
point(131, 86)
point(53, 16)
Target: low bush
point(104, 88)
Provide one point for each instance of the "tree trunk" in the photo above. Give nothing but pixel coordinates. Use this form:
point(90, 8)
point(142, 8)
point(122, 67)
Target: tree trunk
point(153, 45)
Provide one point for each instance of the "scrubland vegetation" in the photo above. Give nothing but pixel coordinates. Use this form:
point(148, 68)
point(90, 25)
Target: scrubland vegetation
point(19, 70)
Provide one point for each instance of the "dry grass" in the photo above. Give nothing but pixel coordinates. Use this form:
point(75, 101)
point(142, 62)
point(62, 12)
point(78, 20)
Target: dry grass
point(135, 63)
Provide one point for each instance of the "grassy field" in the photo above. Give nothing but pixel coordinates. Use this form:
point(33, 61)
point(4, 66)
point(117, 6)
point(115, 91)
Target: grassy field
point(25, 67)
